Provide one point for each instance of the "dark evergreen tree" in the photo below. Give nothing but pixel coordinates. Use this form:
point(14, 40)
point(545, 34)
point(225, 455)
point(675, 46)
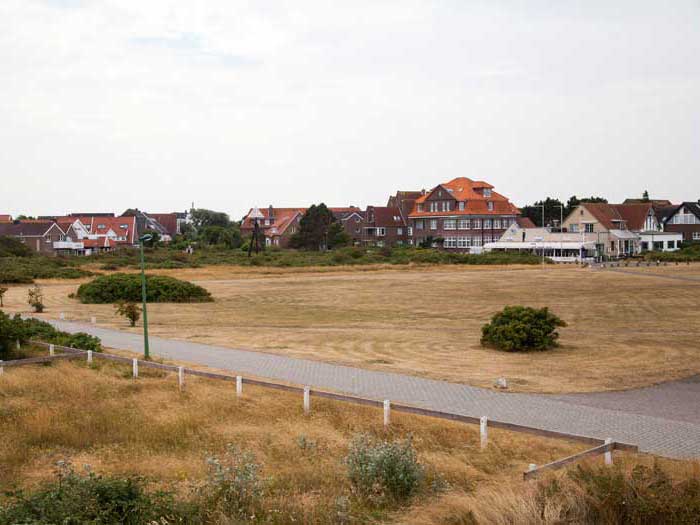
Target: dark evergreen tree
point(313, 229)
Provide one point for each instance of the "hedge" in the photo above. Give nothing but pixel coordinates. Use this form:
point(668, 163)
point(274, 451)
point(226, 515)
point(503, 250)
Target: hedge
point(127, 287)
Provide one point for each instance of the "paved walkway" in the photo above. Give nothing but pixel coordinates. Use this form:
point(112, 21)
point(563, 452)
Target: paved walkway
point(661, 420)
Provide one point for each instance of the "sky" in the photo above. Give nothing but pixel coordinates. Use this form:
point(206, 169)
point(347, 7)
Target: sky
point(114, 104)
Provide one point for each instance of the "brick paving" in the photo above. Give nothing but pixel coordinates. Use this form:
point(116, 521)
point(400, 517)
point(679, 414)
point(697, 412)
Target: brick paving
point(662, 420)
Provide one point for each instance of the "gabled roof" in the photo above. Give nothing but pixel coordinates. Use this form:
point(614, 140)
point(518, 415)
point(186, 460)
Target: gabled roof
point(611, 216)
point(283, 218)
point(692, 206)
point(122, 226)
point(167, 220)
point(385, 216)
point(27, 228)
point(463, 189)
point(525, 222)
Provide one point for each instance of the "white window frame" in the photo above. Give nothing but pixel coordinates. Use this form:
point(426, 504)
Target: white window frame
point(461, 206)
point(380, 231)
point(463, 224)
point(490, 205)
point(433, 224)
point(449, 224)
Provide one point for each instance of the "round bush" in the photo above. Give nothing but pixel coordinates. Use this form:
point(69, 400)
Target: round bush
point(521, 328)
point(127, 287)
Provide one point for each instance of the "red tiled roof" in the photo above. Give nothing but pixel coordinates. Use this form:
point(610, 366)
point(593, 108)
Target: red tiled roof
point(167, 220)
point(464, 190)
point(5, 218)
point(283, 218)
point(385, 216)
point(525, 222)
point(616, 216)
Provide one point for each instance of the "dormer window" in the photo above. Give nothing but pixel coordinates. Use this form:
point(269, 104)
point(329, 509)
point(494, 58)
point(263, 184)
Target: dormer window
point(419, 208)
point(490, 205)
point(487, 192)
point(461, 206)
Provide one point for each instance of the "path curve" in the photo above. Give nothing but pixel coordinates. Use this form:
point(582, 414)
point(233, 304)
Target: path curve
point(663, 420)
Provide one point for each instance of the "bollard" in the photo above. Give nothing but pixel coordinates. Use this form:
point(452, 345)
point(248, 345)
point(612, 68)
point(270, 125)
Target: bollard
point(484, 421)
point(608, 454)
point(52, 350)
point(387, 412)
point(181, 377)
point(135, 367)
point(239, 386)
point(307, 400)
point(93, 320)
point(89, 357)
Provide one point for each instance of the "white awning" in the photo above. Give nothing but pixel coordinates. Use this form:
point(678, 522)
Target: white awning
point(549, 245)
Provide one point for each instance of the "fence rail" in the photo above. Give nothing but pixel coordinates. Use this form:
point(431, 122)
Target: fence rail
point(601, 446)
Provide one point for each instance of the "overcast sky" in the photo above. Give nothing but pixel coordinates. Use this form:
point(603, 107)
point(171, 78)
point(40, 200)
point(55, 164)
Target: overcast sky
point(109, 104)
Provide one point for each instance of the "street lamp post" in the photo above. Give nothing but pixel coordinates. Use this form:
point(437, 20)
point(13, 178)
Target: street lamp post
point(146, 353)
point(543, 226)
point(561, 230)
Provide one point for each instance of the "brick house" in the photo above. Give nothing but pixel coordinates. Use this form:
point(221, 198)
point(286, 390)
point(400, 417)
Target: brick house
point(277, 225)
point(684, 219)
point(38, 235)
point(5, 218)
point(384, 226)
point(464, 213)
point(352, 218)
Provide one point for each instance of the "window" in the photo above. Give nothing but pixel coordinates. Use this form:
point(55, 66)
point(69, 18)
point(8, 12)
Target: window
point(450, 242)
point(696, 236)
point(433, 206)
point(399, 231)
point(476, 224)
point(419, 208)
point(658, 246)
point(461, 206)
point(433, 224)
point(419, 225)
point(450, 224)
point(497, 224)
point(477, 241)
point(589, 227)
point(381, 232)
point(410, 231)
point(487, 224)
point(446, 206)
point(671, 245)
point(490, 205)
point(463, 242)
point(573, 228)
point(124, 226)
point(487, 192)
point(267, 222)
point(463, 224)
point(100, 226)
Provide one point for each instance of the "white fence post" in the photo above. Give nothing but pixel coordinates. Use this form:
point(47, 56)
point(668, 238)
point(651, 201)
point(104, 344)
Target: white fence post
point(93, 320)
point(135, 367)
point(2, 368)
point(52, 350)
point(181, 377)
point(307, 400)
point(239, 386)
point(484, 431)
point(89, 357)
point(608, 454)
point(387, 412)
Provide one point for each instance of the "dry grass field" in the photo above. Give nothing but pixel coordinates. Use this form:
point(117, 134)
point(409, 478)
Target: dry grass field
point(623, 331)
point(101, 417)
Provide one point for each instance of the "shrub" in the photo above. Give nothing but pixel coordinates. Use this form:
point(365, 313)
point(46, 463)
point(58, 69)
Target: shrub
point(233, 488)
point(21, 270)
point(521, 328)
point(379, 470)
point(11, 247)
point(129, 310)
point(35, 298)
point(89, 498)
point(14, 328)
point(127, 287)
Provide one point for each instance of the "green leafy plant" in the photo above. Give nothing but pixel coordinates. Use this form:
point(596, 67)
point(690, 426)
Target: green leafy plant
point(382, 469)
point(127, 287)
point(35, 298)
point(521, 328)
point(130, 310)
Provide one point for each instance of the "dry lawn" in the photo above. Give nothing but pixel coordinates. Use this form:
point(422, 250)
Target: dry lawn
point(122, 426)
point(624, 330)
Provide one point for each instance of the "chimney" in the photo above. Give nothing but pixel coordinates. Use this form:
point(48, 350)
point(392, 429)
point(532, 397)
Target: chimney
point(270, 214)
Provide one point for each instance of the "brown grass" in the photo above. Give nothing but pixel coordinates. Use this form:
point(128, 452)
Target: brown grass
point(118, 425)
point(624, 330)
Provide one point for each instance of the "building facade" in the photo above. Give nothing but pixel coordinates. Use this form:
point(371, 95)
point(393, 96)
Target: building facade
point(460, 215)
point(684, 219)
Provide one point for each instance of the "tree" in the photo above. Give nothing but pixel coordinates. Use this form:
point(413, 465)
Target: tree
point(129, 310)
point(575, 201)
point(645, 196)
point(229, 236)
point(337, 236)
point(552, 212)
point(313, 229)
point(35, 298)
point(2, 294)
point(202, 217)
point(23, 217)
point(11, 247)
point(521, 328)
point(11, 331)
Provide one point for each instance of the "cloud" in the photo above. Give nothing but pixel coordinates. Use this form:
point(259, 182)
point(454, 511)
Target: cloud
point(192, 46)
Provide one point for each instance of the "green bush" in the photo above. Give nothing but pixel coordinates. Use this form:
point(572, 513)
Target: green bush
point(13, 328)
point(383, 470)
point(127, 287)
point(88, 498)
point(21, 270)
point(521, 328)
point(12, 247)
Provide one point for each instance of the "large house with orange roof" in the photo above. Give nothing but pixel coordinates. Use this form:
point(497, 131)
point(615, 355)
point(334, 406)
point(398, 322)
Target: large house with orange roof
point(462, 215)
